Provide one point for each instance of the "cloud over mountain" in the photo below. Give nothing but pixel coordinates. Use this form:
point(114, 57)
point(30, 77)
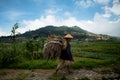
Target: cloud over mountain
point(97, 16)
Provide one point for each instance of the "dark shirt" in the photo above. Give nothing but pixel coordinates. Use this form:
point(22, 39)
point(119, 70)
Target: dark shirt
point(66, 54)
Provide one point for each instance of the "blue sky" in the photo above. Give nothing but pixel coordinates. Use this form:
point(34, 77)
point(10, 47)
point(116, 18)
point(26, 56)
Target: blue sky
point(97, 16)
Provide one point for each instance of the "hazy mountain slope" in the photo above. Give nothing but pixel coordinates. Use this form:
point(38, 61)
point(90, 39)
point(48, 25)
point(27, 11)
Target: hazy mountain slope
point(76, 31)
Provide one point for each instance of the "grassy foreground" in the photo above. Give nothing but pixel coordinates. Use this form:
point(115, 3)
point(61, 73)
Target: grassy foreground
point(86, 55)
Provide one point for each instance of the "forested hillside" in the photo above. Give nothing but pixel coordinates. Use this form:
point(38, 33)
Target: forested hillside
point(77, 32)
point(49, 30)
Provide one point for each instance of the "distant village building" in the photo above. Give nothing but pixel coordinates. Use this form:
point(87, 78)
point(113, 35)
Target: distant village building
point(98, 37)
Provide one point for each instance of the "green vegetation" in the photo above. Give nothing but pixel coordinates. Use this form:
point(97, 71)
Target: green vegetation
point(35, 64)
point(14, 53)
point(28, 53)
point(86, 55)
point(96, 50)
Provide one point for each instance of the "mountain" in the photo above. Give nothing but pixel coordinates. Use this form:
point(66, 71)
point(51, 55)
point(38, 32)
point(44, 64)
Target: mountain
point(49, 30)
point(76, 31)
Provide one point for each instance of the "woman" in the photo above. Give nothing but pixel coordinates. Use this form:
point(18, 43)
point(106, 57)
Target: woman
point(66, 57)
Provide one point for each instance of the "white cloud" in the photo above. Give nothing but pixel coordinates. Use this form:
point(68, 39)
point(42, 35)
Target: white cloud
point(12, 15)
point(115, 8)
point(89, 3)
point(104, 2)
point(100, 24)
point(67, 14)
point(3, 32)
point(115, 1)
point(107, 15)
point(84, 3)
point(43, 21)
point(51, 11)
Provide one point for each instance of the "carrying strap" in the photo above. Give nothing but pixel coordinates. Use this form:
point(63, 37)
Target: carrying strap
point(64, 45)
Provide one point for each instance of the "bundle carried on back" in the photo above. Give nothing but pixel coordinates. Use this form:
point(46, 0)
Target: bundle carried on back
point(53, 47)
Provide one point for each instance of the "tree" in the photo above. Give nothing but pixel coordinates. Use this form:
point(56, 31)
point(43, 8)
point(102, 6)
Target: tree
point(14, 28)
point(9, 53)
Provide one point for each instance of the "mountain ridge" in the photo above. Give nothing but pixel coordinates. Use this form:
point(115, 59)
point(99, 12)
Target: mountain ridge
point(76, 31)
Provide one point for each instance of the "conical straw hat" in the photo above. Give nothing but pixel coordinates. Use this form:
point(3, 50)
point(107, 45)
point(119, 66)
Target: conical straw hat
point(68, 36)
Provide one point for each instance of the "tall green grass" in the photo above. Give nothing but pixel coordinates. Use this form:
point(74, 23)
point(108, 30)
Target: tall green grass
point(93, 63)
point(98, 50)
point(35, 64)
point(86, 54)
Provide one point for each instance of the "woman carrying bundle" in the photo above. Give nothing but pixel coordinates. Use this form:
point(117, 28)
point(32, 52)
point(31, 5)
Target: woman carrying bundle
point(65, 57)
